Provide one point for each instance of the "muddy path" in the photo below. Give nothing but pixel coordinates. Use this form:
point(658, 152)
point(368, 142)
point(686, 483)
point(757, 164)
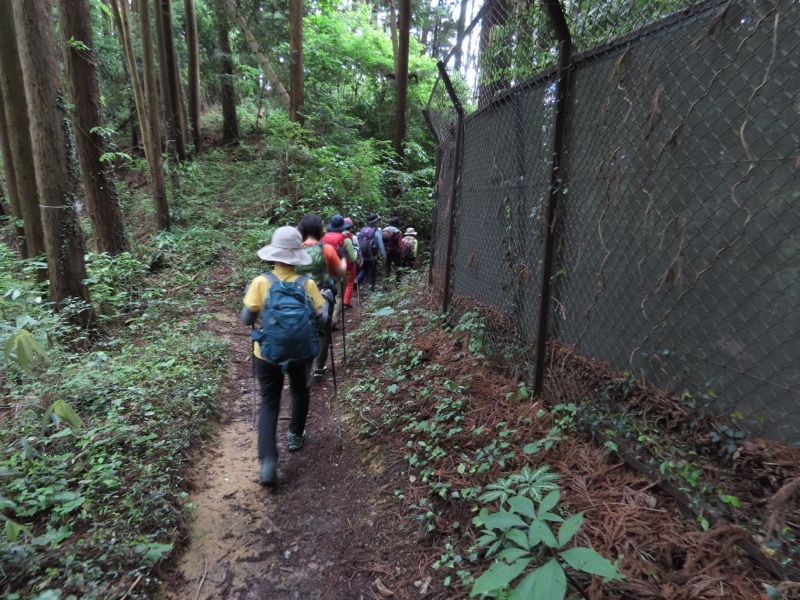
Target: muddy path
point(325, 531)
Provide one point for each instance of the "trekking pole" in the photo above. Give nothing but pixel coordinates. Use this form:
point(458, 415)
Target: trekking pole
point(336, 397)
point(253, 362)
point(344, 346)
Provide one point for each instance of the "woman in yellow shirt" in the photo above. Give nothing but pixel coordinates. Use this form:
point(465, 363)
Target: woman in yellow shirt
point(285, 251)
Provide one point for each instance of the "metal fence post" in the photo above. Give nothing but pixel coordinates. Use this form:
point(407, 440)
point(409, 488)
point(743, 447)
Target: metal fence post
point(457, 164)
point(557, 181)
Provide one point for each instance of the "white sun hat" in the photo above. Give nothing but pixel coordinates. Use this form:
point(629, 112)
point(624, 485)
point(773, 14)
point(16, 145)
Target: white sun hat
point(410, 231)
point(286, 247)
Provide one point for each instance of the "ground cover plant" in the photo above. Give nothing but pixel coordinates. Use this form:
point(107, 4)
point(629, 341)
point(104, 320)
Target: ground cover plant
point(500, 486)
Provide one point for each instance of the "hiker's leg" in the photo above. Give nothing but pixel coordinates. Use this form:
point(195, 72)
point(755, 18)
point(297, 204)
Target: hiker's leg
point(300, 386)
point(337, 307)
point(324, 342)
point(371, 268)
point(351, 279)
point(270, 379)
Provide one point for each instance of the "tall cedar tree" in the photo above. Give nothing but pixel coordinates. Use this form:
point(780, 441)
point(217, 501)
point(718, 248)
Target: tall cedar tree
point(102, 199)
point(18, 157)
point(230, 123)
point(11, 179)
point(168, 66)
point(401, 77)
point(56, 180)
point(272, 77)
point(194, 73)
point(296, 59)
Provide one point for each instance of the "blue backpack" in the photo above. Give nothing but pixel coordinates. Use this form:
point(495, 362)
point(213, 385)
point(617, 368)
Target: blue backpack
point(288, 331)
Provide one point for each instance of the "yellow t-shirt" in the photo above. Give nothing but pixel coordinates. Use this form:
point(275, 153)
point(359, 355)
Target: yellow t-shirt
point(259, 289)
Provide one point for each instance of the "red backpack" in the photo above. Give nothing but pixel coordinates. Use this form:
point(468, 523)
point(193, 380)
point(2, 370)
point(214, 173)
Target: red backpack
point(335, 239)
point(392, 240)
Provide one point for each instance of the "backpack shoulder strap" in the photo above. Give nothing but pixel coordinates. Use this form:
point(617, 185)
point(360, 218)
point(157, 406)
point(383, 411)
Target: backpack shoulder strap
point(272, 278)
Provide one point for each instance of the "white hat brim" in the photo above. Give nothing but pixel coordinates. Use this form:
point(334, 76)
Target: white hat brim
point(288, 256)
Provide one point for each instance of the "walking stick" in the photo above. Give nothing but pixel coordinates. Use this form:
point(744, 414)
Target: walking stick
point(336, 397)
point(344, 346)
point(253, 362)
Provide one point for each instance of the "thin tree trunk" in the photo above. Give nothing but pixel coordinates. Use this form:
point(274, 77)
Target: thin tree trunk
point(401, 80)
point(460, 27)
point(194, 73)
point(173, 80)
point(56, 180)
point(230, 123)
point(393, 33)
point(146, 106)
point(261, 56)
point(151, 100)
point(14, 106)
point(296, 59)
point(11, 181)
point(102, 199)
point(165, 102)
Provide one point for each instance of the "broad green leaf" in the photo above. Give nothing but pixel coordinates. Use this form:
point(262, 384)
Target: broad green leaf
point(589, 561)
point(569, 528)
point(503, 520)
point(518, 537)
point(522, 505)
point(13, 530)
point(546, 583)
point(384, 312)
point(509, 555)
point(498, 575)
point(541, 532)
point(64, 410)
point(153, 552)
point(549, 501)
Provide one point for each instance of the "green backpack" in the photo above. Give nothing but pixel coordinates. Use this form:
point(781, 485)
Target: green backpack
point(317, 271)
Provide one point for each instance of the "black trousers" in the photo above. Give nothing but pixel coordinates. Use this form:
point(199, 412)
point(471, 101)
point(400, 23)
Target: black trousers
point(270, 379)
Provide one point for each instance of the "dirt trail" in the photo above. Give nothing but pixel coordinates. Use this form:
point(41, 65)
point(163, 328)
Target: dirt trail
point(313, 536)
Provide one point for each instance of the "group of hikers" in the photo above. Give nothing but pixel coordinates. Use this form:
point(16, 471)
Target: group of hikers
point(315, 272)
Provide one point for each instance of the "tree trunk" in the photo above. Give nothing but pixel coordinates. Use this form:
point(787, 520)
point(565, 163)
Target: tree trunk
point(56, 180)
point(230, 123)
point(460, 27)
point(102, 199)
point(11, 181)
point(20, 159)
point(152, 123)
point(393, 33)
point(194, 73)
point(401, 78)
point(261, 56)
point(170, 67)
point(296, 59)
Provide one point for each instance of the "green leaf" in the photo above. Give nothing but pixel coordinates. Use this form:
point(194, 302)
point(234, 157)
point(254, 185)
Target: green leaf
point(569, 528)
point(539, 533)
point(503, 520)
point(153, 552)
point(546, 583)
point(522, 505)
point(498, 575)
point(549, 501)
point(511, 554)
point(13, 530)
point(64, 410)
point(518, 537)
point(384, 312)
point(589, 561)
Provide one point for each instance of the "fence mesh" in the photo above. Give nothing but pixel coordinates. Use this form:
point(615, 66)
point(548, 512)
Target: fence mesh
point(678, 231)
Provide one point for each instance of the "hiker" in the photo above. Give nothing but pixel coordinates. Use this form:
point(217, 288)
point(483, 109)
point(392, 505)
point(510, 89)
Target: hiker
point(325, 268)
point(371, 243)
point(291, 308)
point(344, 248)
point(392, 242)
point(408, 252)
point(352, 267)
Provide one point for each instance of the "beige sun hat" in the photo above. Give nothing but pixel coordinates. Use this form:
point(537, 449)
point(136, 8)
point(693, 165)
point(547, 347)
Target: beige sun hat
point(410, 231)
point(286, 247)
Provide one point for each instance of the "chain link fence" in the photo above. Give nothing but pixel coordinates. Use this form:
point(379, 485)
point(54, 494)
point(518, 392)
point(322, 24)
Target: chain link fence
point(675, 204)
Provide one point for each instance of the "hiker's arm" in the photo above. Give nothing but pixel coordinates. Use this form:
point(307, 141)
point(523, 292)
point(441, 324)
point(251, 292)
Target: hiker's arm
point(337, 267)
point(247, 316)
point(379, 237)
